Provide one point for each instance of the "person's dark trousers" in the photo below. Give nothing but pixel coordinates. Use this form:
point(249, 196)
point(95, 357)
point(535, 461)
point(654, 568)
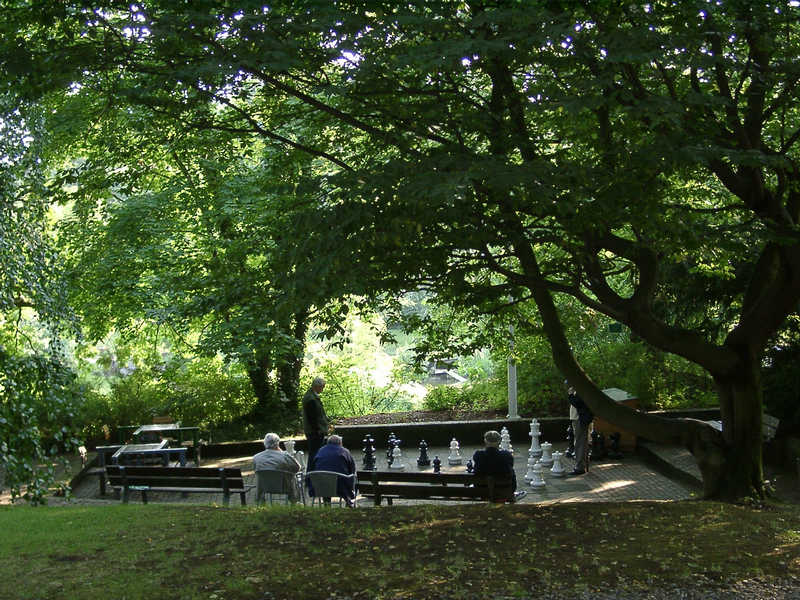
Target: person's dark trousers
point(314, 444)
point(581, 446)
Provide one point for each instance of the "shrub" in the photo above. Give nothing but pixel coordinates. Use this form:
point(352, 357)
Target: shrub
point(480, 396)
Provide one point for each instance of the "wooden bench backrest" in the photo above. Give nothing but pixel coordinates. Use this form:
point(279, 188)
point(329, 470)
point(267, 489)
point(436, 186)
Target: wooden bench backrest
point(162, 420)
point(183, 477)
point(428, 484)
point(428, 477)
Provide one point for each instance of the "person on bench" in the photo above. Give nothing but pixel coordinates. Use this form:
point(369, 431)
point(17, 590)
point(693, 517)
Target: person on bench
point(493, 461)
point(334, 457)
point(272, 458)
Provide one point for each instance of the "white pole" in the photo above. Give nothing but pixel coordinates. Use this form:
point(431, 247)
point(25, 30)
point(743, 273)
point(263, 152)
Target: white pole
point(512, 379)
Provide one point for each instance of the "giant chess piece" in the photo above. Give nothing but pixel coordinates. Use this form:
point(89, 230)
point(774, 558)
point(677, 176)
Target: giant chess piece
point(455, 453)
point(397, 457)
point(300, 457)
point(547, 455)
point(437, 465)
point(505, 440)
point(529, 473)
point(598, 451)
point(390, 446)
point(289, 445)
point(558, 465)
point(570, 453)
point(470, 466)
point(613, 450)
point(423, 460)
point(537, 481)
point(369, 462)
point(535, 432)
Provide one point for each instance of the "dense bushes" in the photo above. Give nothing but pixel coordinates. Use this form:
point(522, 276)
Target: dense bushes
point(204, 393)
point(38, 394)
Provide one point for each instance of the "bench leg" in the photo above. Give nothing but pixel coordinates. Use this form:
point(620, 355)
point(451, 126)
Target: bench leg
point(144, 497)
point(125, 493)
point(226, 499)
point(242, 496)
point(102, 484)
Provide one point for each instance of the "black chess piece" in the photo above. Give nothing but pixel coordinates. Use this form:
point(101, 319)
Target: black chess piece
point(390, 447)
point(598, 451)
point(369, 453)
point(423, 460)
point(470, 466)
point(437, 465)
point(570, 453)
point(613, 449)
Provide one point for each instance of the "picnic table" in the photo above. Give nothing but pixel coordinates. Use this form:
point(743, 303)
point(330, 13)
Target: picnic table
point(140, 452)
point(145, 432)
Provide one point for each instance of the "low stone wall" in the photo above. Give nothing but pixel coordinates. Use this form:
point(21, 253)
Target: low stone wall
point(440, 433)
point(437, 433)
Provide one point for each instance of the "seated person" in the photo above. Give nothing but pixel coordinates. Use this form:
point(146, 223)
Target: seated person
point(493, 461)
point(334, 457)
point(272, 458)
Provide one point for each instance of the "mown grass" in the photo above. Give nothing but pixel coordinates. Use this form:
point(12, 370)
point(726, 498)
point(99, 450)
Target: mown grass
point(431, 551)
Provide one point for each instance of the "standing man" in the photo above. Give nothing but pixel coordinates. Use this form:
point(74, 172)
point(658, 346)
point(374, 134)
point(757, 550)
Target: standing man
point(585, 418)
point(315, 421)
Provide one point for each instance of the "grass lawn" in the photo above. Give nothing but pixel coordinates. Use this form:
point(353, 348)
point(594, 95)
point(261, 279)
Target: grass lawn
point(481, 551)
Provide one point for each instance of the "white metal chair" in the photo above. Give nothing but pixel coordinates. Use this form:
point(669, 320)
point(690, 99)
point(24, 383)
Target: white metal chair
point(324, 484)
point(276, 482)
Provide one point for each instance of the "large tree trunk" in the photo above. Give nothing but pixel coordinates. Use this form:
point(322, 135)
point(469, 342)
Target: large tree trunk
point(263, 389)
point(732, 469)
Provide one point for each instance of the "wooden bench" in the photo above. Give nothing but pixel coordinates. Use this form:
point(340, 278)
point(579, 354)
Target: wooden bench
point(433, 486)
point(208, 480)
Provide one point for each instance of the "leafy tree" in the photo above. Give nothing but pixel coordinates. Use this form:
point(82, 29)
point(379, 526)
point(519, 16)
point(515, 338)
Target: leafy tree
point(182, 237)
point(638, 158)
point(37, 390)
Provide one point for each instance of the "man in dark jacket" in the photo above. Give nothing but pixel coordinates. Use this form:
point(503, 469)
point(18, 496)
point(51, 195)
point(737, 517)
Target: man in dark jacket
point(585, 418)
point(336, 458)
point(315, 421)
point(493, 461)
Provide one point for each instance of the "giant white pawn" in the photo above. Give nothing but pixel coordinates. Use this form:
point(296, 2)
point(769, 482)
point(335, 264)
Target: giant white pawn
point(538, 480)
point(397, 459)
point(300, 457)
point(558, 465)
point(536, 450)
point(289, 444)
point(455, 453)
point(505, 441)
point(547, 455)
point(529, 475)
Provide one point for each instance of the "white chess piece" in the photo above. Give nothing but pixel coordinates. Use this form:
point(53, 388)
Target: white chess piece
point(547, 455)
point(529, 475)
point(505, 441)
point(455, 453)
point(537, 481)
point(289, 444)
point(536, 450)
point(558, 466)
point(300, 457)
point(397, 459)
